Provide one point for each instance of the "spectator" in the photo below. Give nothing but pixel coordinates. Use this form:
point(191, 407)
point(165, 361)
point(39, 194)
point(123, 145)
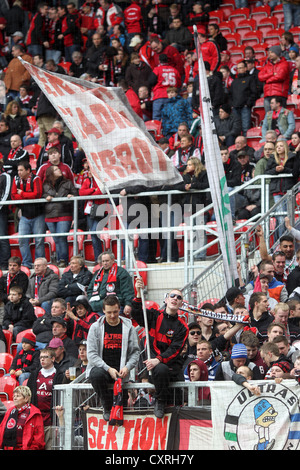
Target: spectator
point(54, 51)
point(241, 144)
point(5, 135)
point(81, 364)
point(198, 16)
point(174, 141)
point(37, 36)
point(238, 358)
point(26, 360)
point(233, 175)
point(28, 435)
point(43, 285)
point(75, 280)
point(260, 318)
point(184, 153)
point(191, 344)
point(41, 383)
point(251, 341)
point(83, 316)
point(146, 102)
point(248, 202)
point(54, 159)
point(206, 354)
point(78, 66)
point(110, 278)
point(5, 187)
point(16, 156)
point(112, 352)
point(90, 187)
point(58, 215)
point(137, 73)
point(45, 117)
point(131, 96)
point(133, 18)
point(295, 78)
point(165, 362)
point(163, 76)
point(179, 36)
point(59, 331)
point(197, 371)
point(275, 75)
point(284, 162)
point(109, 14)
point(174, 111)
point(216, 90)
point(16, 118)
point(295, 141)
point(42, 326)
point(88, 22)
point(271, 355)
point(63, 361)
point(228, 125)
point(241, 377)
point(242, 95)
point(254, 71)
point(291, 14)
point(70, 31)
point(52, 66)
point(174, 57)
point(18, 312)
point(26, 185)
point(14, 277)
point(56, 139)
point(280, 119)
point(216, 35)
point(120, 65)
point(210, 51)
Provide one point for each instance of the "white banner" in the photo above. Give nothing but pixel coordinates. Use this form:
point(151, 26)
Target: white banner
point(216, 176)
point(119, 150)
point(242, 421)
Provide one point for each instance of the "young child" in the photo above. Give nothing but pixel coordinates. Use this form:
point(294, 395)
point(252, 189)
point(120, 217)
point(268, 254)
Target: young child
point(26, 360)
point(18, 312)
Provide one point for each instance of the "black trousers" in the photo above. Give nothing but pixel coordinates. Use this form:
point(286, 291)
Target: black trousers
point(101, 380)
point(161, 377)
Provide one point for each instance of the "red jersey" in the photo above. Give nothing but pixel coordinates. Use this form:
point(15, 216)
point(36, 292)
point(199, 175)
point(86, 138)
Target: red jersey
point(133, 19)
point(166, 76)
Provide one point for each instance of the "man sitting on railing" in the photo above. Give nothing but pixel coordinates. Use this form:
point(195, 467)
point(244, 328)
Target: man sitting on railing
point(167, 336)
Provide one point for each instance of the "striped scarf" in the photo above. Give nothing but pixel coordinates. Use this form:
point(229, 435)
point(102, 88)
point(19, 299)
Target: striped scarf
point(23, 362)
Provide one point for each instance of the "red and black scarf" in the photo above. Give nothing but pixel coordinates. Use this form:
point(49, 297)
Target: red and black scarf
point(22, 363)
point(116, 414)
point(13, 431)
point(111, 280)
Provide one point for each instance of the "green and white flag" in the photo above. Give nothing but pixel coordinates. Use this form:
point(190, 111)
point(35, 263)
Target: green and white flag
point(216, 175)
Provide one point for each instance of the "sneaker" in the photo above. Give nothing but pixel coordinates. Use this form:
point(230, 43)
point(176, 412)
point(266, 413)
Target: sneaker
point(106, 414)
point(159, 408)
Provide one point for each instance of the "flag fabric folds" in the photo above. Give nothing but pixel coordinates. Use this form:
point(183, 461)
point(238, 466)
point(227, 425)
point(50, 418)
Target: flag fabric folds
point(216, 176)
point(117, 145)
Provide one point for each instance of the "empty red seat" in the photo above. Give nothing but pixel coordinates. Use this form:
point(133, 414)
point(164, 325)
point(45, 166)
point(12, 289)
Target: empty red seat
point(5, 363)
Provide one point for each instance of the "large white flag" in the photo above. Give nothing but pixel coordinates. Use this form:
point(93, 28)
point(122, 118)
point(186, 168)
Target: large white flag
point(216, 176)
point(119, 149)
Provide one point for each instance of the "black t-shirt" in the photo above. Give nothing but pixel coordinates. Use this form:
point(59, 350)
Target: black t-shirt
point(112, 345)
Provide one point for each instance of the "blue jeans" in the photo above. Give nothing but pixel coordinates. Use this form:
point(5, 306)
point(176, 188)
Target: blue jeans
point(245, 116)
point(61, 242)
point(241, 3)
point(27, 227)
point(157, 107)
point(97, 244)
point(35, 49)
point(280, 226)
point(291, 15)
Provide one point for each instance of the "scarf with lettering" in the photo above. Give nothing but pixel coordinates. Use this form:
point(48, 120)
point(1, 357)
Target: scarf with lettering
point(111, 280)
point(116, 414)
point(22, 363)
point(14, 426)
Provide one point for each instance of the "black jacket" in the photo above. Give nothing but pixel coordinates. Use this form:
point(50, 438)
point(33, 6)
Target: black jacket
point(68, 287)
point(20, 279)
point(21, 314)
point(282, 185)
point(243, 91)
point(233, 172)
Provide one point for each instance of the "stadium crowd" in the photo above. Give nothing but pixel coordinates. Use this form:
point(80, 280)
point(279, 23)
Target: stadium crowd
point(91, 320)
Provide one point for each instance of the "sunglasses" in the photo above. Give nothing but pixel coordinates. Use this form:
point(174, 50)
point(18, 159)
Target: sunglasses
point(194, 333)
point(178, 297)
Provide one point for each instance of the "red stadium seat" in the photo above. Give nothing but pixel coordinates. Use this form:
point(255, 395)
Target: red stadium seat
point(216, 16)
point(252, 37)
point(151, 304)
point(254, 132)
point(33, 149)
point(245, 25)
point(154, 127)
point(65, 65)
point(272, 38)
point(26, 270)
point(260, 50)
point(258, 13)
point(5, 363)
point(239, 14)
point(227, 9)
point(278, 13)
point(39, 312)
point(267, 24)
point(233, 39)
point(227, 27)
point(8, 338)
point(7, 386)
point(54, 268)
point(237, 53)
